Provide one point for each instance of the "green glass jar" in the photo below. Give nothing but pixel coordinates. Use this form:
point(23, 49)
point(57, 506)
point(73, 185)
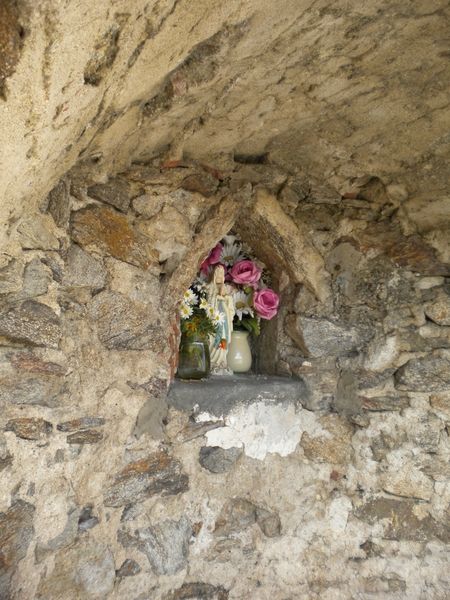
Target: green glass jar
point(193, 358)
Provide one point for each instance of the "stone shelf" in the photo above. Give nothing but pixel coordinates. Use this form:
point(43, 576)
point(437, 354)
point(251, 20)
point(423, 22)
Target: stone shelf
point(218, 396)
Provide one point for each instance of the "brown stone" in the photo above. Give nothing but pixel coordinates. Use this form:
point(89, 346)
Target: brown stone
point(198, 591)
point(29, 428)
point(159, 473)
point(203, 183)
point(439, 309)
point(16, 532)
point(11, 40)
point(116, 193)
point(411, 251)
point(110, 232)
point(31, 323)
point(441, 402)
point(103, 56)
point(59, 203)
point(87, 436)
point(334, 448)
point(402, 522)
point(236, 514)
point(81, 423)
point(25, 361)
point(384, 403)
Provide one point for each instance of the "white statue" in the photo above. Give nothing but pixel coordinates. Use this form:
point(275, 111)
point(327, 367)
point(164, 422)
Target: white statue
point(221, 300)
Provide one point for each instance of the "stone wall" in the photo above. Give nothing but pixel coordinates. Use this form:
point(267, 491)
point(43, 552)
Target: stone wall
point(106, 492)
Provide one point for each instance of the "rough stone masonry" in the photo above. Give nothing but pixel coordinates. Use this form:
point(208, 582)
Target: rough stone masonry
point(135, 137)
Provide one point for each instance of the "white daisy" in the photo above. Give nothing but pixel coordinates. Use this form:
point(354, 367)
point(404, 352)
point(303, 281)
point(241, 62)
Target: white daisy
point(218, 318)
point(231, 252)
point(185, 310)
point(189, 297)
point(242, 304)
point(210, 311)
point(204, 304)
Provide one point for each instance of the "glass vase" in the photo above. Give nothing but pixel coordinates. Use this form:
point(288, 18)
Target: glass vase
point(193, 359)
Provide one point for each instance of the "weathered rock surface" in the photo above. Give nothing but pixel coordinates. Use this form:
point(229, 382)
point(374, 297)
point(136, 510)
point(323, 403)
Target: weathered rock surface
point(237, 514)
point(159, 473)
point(409, 483)
point(29, 428)
point(37, 278)
point(37, 233)
point(30, 323)
point(218, 460)
point(166, 545)
point(81, 423)
point(83, 270)
point(439, 309)
point(86, 436)
point(58, 203)
point(39, 389)
point(116, 193)
point(85, 570)
point(198, 591)
point(11, 276)
point(62, 540)
point(402, 522)
point(384, 403)
point(428, 374)
point(128, 568)
point(203, 183)
point(334, 446)
point(87, 520)
point(124, 325)
point(111, 233)
point(322, 337)
point(168, 233)
point(268, 521)
point(16, 531)
point(441, 402)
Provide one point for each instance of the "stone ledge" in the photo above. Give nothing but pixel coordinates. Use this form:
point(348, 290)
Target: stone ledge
point(218, 396)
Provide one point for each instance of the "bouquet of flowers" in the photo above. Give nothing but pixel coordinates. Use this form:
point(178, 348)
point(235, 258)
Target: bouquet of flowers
point(253, 299)
point(198, 318)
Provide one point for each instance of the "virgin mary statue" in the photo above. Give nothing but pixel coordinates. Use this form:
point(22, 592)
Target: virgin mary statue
point(222, 301)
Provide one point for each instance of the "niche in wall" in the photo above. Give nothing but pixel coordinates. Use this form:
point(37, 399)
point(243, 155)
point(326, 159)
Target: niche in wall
point(247, 306)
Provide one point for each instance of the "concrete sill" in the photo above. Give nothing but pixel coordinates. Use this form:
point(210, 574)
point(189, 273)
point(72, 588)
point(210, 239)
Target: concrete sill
point(218, 396)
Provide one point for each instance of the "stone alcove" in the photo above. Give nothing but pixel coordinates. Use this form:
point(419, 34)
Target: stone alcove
point(89, 344)
point(282, 246)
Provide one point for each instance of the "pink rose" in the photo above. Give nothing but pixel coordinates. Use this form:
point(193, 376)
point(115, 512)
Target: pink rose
point(266, 303)
point(245, 272)
point(212, 258)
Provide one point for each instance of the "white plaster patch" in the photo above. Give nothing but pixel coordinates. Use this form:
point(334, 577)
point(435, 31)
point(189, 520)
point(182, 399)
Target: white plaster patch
point(262, 428)
point(338, 512)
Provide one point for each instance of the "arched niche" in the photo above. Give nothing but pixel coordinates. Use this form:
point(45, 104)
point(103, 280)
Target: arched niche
point(285, 248)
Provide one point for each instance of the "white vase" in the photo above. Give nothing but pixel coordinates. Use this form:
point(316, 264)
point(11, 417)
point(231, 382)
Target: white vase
point(239, 357)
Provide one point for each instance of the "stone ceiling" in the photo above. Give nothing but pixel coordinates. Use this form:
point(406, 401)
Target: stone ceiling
point(329, 90)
